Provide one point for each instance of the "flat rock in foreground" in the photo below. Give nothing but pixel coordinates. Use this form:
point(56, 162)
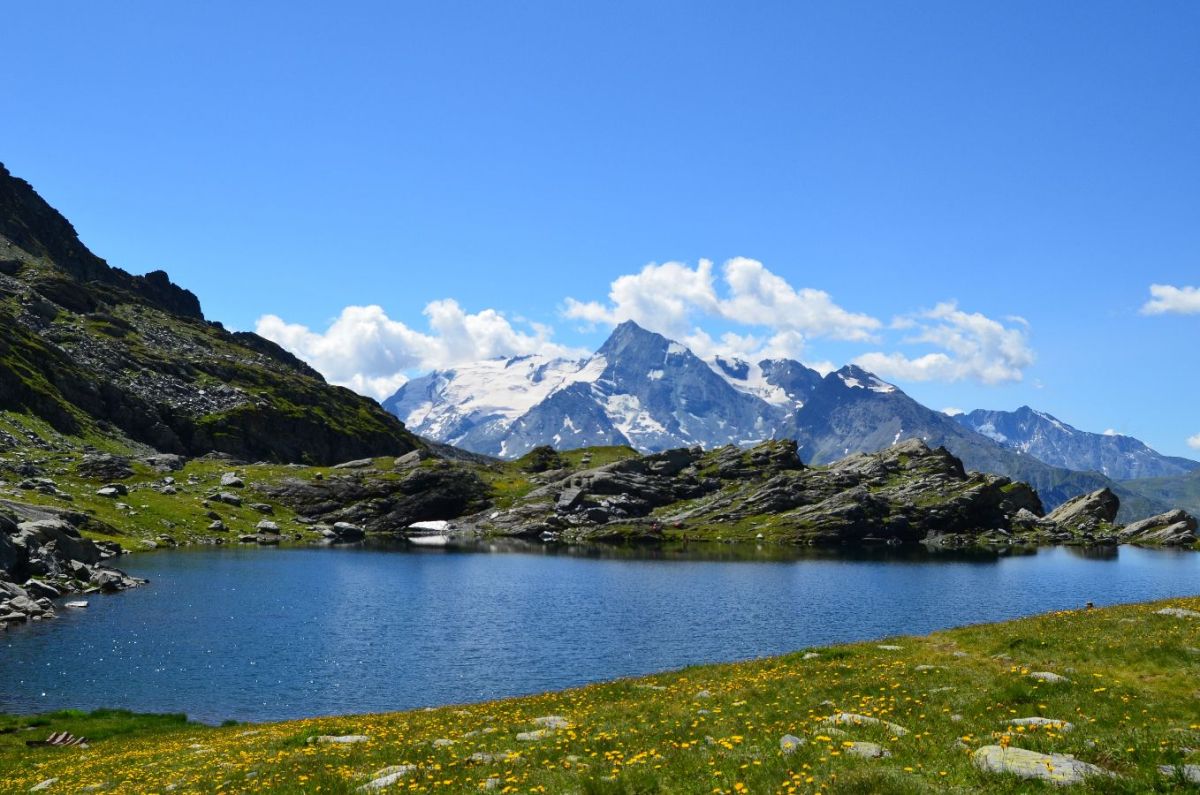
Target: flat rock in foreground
point(1054, 768)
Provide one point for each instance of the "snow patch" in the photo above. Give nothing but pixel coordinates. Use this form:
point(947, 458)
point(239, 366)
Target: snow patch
point(989, 430)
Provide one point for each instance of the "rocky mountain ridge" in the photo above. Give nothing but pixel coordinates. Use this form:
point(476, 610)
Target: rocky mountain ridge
point(639, 389)
point(90, 354)
point(1056, 443)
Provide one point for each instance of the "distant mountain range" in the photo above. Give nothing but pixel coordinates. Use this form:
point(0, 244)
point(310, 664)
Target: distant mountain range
point(651, 393)
point(1055, 442)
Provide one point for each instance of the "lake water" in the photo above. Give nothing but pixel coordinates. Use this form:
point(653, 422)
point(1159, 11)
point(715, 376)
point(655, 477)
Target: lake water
point(258, 634)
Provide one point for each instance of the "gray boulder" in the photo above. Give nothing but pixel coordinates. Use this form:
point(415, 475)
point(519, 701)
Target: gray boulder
point(230, 480)
point(1022, 763)
point(68, 545)
point(1087, 513)
point(1174, 528)
point(362, 463)
point(104, 466)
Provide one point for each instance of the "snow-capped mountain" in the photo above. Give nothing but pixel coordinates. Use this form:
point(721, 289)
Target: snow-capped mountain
point(780, 382)
point(649, 392)
point(640, 389)
point(852, 411)
point(1059, 444)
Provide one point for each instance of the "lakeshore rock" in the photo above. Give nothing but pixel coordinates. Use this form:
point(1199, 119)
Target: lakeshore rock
point(1174, 528)
point(907, 493)
point(1088, 513)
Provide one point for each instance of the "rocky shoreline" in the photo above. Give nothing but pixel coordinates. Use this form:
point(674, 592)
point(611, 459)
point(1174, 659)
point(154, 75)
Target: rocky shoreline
point(43, 557)
point(905, 494)
point(908, 495)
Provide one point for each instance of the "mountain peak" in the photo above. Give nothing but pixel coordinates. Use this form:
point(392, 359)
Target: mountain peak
point(855, 377)
point(628, 337)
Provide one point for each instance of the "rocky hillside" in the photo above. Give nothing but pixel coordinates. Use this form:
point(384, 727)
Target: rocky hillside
point(90, 354)
point(1054, 442)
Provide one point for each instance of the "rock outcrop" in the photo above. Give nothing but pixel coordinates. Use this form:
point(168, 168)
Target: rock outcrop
point(905, 494)
point(375, 504)
point(1091, 513)
point(1172, 529)
point(94, 351)
point(46, 558)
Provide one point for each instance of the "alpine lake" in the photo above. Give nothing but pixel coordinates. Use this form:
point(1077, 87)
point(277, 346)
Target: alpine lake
point(253, 634)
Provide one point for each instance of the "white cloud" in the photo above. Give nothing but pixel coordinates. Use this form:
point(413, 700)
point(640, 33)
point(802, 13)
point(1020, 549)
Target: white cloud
point(374, 354)
point(1194, 442)
point(1167, 299)
point(973, 347)
point(370, 353)
point(951, 411)
point(672, 297)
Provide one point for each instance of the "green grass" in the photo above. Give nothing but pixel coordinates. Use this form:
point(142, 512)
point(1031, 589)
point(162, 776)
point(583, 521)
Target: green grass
point(1131, 695)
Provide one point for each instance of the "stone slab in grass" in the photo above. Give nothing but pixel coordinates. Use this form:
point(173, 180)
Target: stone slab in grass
point(1055, 768)
point(1177, 612)
point(1048, 676)
point(867, 750)
point(854, 719)
point(1043, 723)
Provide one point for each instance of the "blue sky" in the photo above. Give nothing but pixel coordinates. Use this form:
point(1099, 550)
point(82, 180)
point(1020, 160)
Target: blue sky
point(1021, 160)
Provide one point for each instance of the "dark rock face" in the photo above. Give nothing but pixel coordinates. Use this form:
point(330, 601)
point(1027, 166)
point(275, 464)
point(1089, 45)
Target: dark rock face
point(38, 229)
point(104, 466)
point(905, 494)
point(92, 349)
point(379, 505)
point(540, 459)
